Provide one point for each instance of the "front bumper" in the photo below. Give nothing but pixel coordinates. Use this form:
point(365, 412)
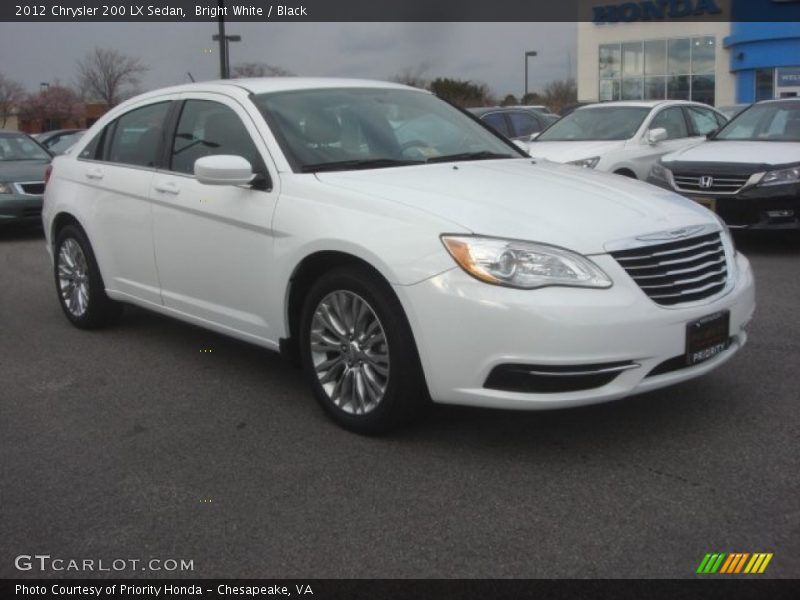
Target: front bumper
point(464, 329)
point(767, 207)
point(20, 208)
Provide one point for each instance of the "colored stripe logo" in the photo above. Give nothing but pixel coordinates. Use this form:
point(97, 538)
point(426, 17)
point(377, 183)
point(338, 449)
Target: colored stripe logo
point(734, 563)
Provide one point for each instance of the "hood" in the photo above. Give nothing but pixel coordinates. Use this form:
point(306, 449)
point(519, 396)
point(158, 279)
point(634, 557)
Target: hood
point(746, 153)
point(569, 151)
point(22, 170)
point(526, 200)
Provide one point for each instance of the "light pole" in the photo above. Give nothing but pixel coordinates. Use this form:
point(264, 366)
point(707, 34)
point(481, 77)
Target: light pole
point(225, 52)
point(528, 54)
point(224, 43)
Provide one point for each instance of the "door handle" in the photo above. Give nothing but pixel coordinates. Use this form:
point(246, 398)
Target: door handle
point(94, 173)
point(170, 187)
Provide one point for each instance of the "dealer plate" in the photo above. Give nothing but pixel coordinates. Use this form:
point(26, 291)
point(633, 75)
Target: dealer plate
point(707, 337)
point(709, 203)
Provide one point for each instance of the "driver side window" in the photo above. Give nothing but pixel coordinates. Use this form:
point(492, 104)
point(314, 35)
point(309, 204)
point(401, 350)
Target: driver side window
point(673, 121)
point(207, 128)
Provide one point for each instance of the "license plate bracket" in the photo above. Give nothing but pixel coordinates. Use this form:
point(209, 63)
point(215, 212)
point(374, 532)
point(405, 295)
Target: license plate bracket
point(709, 203)
point(707, 337)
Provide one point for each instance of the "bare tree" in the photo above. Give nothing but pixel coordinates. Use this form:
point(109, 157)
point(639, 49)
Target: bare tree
point(463, 93)
point(510, 100)
point(413, 76)
point(560, 93)
point(55, 107)
point(258, 69)
point(109, 76)
point(11, 96)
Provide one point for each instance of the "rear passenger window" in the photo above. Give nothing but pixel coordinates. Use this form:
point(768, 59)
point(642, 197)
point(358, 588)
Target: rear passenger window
point(90, 151)
point(137, 135)
point(207, 128)
point(672, 120)
point(497, 122)
point(524, 124)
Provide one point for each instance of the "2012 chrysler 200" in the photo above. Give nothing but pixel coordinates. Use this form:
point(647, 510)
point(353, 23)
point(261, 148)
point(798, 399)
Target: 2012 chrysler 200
point(394, 245)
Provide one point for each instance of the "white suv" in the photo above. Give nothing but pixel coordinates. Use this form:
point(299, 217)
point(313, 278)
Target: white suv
point(626, 138)
point(397, 262)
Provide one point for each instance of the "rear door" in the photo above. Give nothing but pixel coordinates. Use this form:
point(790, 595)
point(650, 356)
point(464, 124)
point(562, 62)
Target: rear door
point(116, 170)
point(214, 243)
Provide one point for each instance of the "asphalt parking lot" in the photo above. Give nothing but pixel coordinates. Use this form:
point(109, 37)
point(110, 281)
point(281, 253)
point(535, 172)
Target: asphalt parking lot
point(134, 443)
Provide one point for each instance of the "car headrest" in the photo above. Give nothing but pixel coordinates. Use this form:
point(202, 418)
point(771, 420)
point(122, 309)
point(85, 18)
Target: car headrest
point(321, 128)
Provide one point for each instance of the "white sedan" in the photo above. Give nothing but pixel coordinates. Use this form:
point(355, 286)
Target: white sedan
point(626, 138)
point(439, 264)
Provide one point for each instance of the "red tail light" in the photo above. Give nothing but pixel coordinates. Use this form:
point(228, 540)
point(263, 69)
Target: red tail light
point(47, 173)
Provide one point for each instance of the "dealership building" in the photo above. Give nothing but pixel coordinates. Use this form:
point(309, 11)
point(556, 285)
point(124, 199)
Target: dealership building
point(689, 50)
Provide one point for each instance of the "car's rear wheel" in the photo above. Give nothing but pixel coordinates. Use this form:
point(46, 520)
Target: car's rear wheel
point(80, 287)
point(358, 352)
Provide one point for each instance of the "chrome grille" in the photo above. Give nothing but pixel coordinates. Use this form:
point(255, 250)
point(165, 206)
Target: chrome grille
point(727, 184)
point(678, 272)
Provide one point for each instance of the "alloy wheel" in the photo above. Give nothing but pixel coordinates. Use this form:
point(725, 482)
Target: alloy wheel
point(349, 352)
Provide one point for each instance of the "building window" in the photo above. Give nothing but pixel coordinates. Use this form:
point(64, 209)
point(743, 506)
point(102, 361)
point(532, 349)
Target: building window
point(765, 84)
point(676, 69)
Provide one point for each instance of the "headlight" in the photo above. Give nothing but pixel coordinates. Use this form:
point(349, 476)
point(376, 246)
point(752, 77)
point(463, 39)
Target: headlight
point(726, 233)
point(523, 265)
point(5, 188)
point(586, 163)
point(661, 172)
point(782, 176)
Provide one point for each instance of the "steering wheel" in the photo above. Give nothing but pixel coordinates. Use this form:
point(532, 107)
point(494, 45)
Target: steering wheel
point(413, 144)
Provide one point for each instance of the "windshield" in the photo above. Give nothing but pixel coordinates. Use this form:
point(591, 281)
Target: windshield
point(362, 128)
point(17, 146)
point(596, 124)
point(770, 122)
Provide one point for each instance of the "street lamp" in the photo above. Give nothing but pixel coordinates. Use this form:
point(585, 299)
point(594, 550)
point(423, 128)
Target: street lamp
point(224, 43)
point(528, 54)
point(225, 53)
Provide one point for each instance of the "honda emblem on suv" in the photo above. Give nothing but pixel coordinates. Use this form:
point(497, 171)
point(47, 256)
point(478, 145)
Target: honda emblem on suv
point(706, 182)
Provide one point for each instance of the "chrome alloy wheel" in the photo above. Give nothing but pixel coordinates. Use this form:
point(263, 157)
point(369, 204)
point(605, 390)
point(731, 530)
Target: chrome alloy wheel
point(73, 277)
point(349, 352)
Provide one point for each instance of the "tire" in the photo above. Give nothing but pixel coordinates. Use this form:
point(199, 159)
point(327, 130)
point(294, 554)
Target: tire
point(385, 388)
point(79, 285)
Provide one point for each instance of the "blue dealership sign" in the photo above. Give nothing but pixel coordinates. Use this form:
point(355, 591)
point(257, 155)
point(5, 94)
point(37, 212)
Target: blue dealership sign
point(648, 10)
point(789, 77)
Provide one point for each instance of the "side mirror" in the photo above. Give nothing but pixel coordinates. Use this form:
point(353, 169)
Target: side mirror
point(712, 134)
point(523, 146)
point(654, 136)
point(223, 169)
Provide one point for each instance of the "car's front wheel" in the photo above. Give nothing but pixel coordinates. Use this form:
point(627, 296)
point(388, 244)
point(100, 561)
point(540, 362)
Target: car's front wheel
point(80, 287)
point(358, 352)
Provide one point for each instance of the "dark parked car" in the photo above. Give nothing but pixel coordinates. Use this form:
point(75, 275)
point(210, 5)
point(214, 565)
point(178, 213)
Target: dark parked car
point(22, 167)
point(60, 140)
point(513, 123)
point(748, 173)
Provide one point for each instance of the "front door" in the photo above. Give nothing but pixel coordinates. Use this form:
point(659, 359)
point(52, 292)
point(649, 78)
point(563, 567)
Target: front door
point(213, 243)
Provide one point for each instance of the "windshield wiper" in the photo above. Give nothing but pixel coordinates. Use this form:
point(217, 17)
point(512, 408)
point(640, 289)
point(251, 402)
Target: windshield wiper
point(482, 155)
point(344, 165)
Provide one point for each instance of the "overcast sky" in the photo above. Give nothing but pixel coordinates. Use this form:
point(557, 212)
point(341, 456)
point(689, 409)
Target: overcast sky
point(490, 52)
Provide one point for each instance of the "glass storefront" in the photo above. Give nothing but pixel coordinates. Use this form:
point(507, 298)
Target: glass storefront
point(679, 69)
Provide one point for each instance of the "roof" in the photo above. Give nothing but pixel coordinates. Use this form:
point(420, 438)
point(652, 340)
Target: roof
point(643, 103)
point(262, 85)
